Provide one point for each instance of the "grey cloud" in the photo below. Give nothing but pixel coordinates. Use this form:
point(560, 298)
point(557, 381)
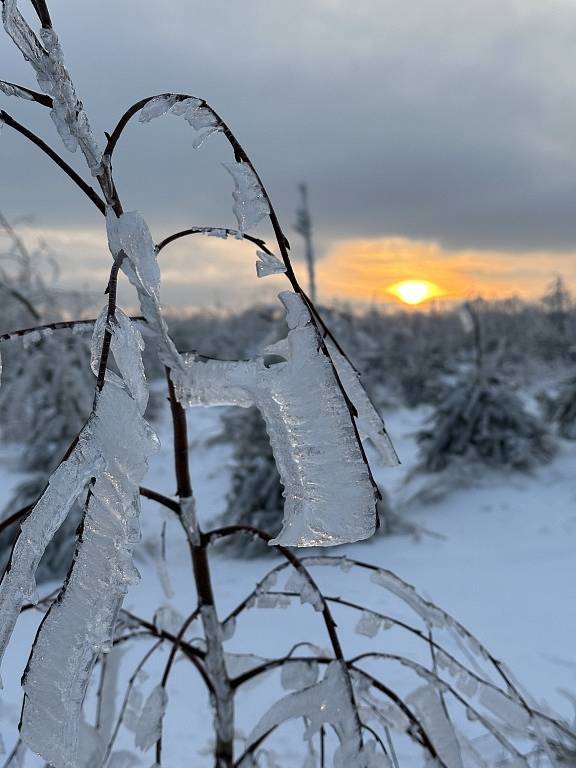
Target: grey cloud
point(432, 119)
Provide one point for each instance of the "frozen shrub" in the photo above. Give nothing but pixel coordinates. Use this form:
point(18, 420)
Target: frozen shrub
point(482, 419)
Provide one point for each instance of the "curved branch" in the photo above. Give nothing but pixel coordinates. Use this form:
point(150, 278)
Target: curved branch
point(60, 162)
point(168, 669)
point(262, 245)
point(253, 747)
point(59, 326)
point(231, 530)
point(420, 735)
point(131, 683)
point(283, 244)
point(165, 501)
point(207, 231)
point(39, 98)
point(326, 612)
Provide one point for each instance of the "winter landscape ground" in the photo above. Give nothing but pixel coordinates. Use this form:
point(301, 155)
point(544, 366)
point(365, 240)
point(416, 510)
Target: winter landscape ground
point(498, 556)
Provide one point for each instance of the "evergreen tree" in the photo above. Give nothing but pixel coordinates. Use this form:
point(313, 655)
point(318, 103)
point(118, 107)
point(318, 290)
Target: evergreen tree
point(482, 419)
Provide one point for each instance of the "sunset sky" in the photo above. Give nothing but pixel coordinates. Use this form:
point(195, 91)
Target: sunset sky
point(438, 140)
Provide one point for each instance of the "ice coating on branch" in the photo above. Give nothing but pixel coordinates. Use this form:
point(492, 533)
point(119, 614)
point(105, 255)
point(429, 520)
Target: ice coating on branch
point(327, 488)
point(14, 90)
point(268, 264)
point(122, 759)
point(308, 593)
point(156, 107)
point(432, 615)
point(215, 382)
point(167, 619)
point(129, 239)
point(296, 675)
point(369, 624)
point(37, 530)
point(195, 111)
point(329, 496)
point(369, 422)
point(46, 57)
point(250, 202)
point(327, 702)
point(129, 233)
point(80, 624)
point(426, 704)
point(149, 726)
point(126, 345)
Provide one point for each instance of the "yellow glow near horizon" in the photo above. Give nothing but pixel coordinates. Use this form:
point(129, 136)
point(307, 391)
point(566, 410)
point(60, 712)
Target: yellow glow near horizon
point(415, 291)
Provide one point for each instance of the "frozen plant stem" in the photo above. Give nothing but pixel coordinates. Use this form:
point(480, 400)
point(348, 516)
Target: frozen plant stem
point(222, 694)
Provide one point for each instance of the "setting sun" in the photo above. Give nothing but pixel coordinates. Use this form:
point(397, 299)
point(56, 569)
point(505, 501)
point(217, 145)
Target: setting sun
point(415, 291)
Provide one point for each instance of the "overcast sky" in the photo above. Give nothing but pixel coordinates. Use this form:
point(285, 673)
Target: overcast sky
point(438, 138)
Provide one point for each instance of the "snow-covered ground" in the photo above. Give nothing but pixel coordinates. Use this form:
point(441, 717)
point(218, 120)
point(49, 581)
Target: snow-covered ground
point(500, 557)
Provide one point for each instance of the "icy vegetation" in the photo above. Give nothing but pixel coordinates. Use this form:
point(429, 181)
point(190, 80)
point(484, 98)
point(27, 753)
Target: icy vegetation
point(85, 704)
point(310, 429)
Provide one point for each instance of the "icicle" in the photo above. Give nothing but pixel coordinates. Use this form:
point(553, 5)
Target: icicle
point(156, 107)
point(46, 57)
point(80, 624)
point(64, 487)
point(369, 421)
point(250, 202)
point(329, 498)
point(129, 235)
point(369, 624)
point(268, 264)
point(299, 584)
point(428, 708)
point(297, 675)
point(149, 725)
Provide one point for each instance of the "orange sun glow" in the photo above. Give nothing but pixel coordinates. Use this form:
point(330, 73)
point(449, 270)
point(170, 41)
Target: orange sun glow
point(415, 291)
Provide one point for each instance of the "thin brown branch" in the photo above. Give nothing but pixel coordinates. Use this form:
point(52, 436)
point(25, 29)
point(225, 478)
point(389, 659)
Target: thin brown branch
point(60, 162)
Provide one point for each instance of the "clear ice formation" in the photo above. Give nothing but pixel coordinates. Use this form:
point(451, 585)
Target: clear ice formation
point(325, 703)
point(250, 201)
point(268, 264)
point(80, 624)
point(329, 498)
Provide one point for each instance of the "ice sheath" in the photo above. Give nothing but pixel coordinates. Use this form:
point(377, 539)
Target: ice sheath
point(329, 498)
point(80, 624)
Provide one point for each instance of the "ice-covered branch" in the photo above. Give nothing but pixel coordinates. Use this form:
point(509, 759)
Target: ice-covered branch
point(329, 496)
